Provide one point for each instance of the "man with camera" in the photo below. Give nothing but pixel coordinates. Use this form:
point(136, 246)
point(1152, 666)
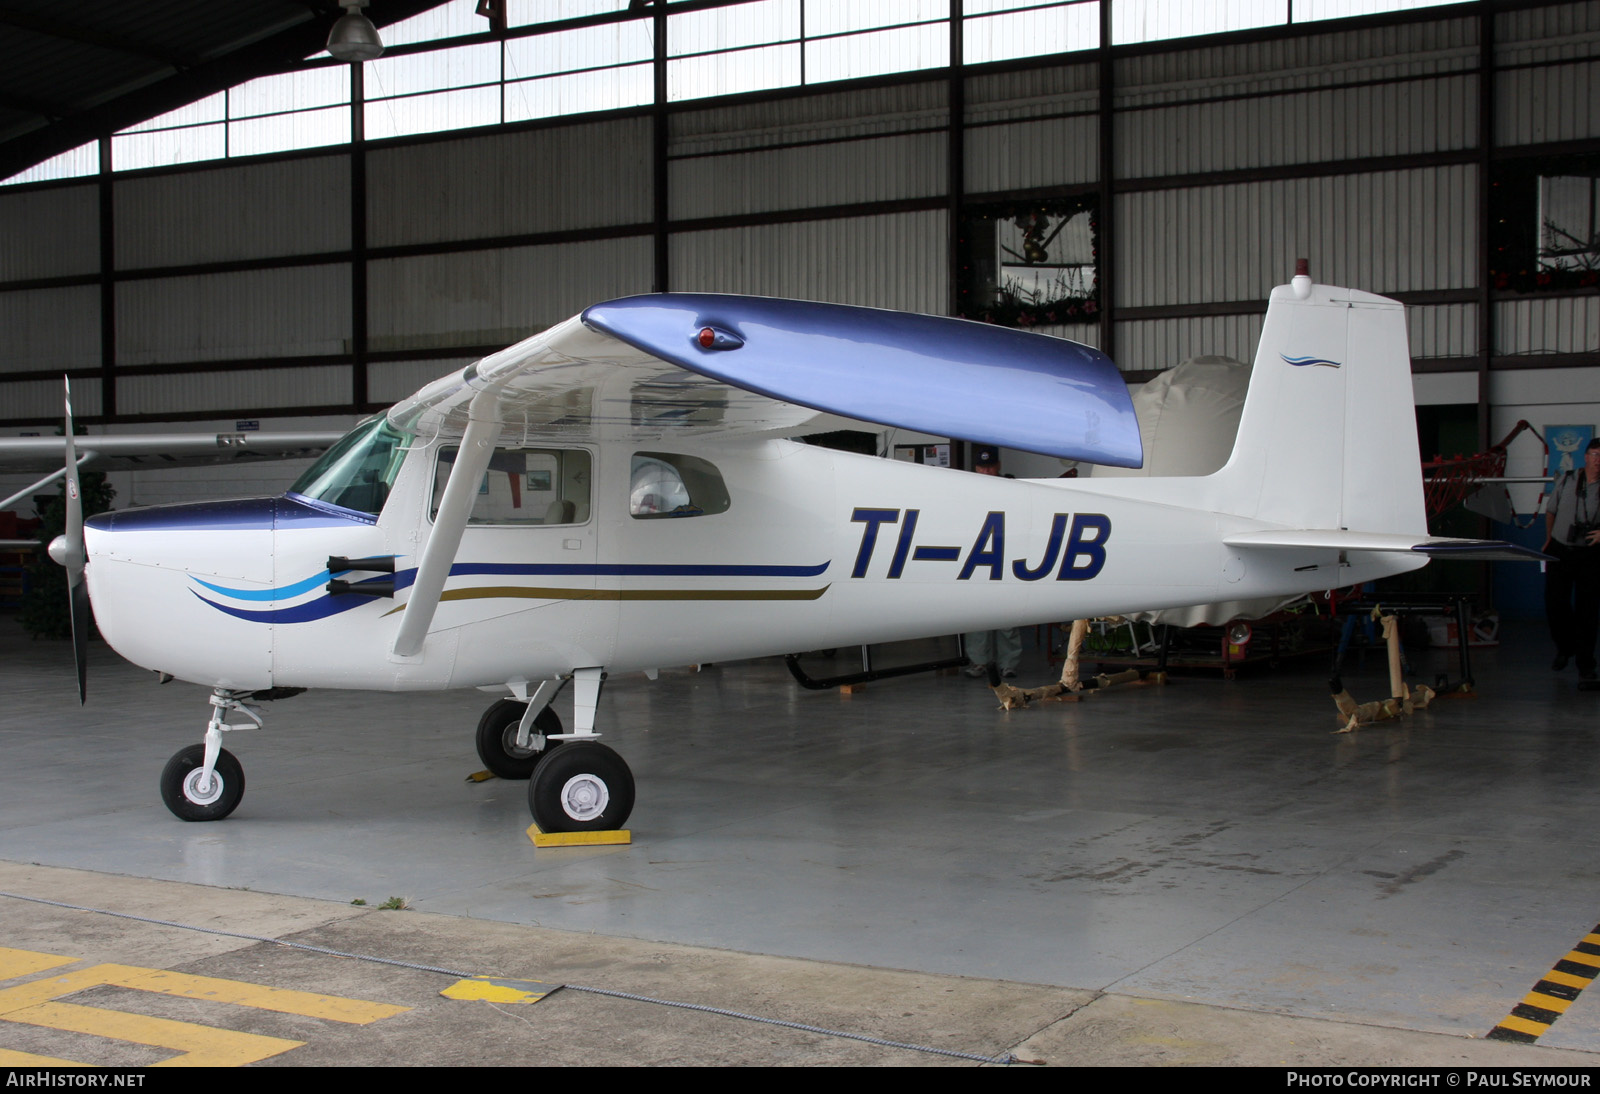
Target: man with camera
point(1572, 582)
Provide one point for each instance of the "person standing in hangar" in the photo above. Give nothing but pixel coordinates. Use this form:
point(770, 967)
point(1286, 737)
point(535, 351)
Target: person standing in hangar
point(1572, 582)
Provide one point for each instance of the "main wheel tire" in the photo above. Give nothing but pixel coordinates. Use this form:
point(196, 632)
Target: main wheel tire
point(585, 787)
point(497, 739)
point(180, 785)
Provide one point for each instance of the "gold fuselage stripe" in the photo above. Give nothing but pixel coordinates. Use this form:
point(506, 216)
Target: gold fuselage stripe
point(524, 592)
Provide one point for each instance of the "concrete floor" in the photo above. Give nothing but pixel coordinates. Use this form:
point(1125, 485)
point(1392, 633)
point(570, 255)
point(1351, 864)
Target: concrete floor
point(1211, 841)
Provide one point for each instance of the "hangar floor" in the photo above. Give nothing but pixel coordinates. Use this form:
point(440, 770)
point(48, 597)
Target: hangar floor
point(1210, 841)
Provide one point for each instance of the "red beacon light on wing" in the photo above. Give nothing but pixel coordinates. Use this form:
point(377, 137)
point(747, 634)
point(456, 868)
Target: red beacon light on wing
point(713, 338)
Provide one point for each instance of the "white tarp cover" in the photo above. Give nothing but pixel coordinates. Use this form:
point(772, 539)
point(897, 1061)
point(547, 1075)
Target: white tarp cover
point(1188, 418)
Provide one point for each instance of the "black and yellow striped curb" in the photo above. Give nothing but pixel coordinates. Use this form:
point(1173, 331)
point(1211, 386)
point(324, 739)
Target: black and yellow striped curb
point(1553, 994)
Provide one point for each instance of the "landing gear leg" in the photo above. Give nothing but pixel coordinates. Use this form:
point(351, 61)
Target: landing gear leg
point(584, 786)
point(515, 734)
point(206, 782)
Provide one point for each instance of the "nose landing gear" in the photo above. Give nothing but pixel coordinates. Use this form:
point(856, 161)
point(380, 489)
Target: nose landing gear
point(205, 782)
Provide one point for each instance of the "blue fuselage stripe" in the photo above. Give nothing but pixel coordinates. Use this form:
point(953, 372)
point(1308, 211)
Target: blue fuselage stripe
point(635, 569)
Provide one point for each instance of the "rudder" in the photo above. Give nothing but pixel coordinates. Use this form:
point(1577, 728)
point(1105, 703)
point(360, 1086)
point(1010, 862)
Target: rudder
point(1327, 438)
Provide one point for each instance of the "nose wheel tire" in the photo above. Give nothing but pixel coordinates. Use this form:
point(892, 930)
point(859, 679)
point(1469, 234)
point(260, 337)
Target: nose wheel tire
point(188, 799)
point(583, 787)
point(497, 739)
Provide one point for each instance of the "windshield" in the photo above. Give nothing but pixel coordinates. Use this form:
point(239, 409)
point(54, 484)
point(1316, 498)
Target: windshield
point(357, 472)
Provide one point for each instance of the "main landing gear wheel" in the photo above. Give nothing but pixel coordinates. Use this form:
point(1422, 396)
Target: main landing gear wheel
point(584, 787)
point(181, 790)
point(497, 739)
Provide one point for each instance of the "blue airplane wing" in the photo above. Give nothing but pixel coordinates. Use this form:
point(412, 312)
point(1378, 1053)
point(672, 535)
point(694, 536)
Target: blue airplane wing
point(948, 377)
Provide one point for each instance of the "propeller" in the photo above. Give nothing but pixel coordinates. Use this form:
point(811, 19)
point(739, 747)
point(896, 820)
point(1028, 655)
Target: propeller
point(67, 551)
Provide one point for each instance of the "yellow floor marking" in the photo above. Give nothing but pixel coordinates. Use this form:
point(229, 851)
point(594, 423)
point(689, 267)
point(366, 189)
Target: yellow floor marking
point(15, 963)
point(1523, 1025)
point(331, 1007)
point(1582, 958)
point(201, 1046)
point(334, 1008)
point(1592, 939)
point(1556, 976)
point(12, 1057)
point(498, 990)
point(1546, 1002)
point(37, 1003)
point(579, 839)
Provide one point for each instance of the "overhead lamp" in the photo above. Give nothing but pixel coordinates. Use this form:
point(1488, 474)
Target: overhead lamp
point(353, 37)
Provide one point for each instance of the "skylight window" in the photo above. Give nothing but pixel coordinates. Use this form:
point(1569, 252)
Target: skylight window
point(608, 64)
point(75, 163)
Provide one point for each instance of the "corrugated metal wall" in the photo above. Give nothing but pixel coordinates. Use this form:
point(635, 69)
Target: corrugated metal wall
point(282, 207)
point(1444, 42)
point(1554, 94)
point(49, 233)
point(1391, 231)
point(43, 399)
point(227, 316)
point(1386, 119)
point(833, 149)
point(495, 297)
point(540, 180)
point(274, 389)
point(895, 261)
point(1032, 128)
point(1443, 330)
point(1162, 343)
point(1558, 325)
point(830, 116)
point(808, 175)
point(1376, 92)
point(391, 381)
point(49, 329)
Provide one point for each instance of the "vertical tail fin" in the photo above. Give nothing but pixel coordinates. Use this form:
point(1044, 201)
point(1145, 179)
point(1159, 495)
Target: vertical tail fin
point(1328, 436)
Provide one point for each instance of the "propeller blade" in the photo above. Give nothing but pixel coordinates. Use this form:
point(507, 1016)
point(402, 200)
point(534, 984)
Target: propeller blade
point(79, 597)
point(72, 558)
point(74, 529)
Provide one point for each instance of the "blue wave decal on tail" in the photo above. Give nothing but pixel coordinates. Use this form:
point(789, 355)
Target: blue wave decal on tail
point(1302, 362)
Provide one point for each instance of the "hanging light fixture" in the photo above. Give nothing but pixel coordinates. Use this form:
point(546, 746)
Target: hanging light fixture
point(353, 37)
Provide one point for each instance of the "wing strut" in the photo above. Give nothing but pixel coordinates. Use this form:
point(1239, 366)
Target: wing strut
point(477, 445)
point(44, 482)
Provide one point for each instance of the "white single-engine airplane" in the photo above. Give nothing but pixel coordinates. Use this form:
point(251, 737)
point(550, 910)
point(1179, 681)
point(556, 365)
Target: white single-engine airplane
point(614, 494)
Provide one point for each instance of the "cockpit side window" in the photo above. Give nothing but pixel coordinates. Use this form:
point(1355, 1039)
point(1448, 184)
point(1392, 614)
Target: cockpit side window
point(525, 486)
point(664, 484)
point(357, 472)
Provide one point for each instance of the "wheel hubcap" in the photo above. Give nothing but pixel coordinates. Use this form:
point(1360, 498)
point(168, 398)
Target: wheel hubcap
point(199, 795)
point(508, 742)
point(584, 797)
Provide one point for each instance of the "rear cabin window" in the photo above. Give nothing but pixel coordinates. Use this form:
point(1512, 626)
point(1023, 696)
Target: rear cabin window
point(665, 485)
point(525, 486)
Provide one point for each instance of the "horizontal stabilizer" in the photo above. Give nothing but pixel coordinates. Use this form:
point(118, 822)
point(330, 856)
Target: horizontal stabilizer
point(1339, 540)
